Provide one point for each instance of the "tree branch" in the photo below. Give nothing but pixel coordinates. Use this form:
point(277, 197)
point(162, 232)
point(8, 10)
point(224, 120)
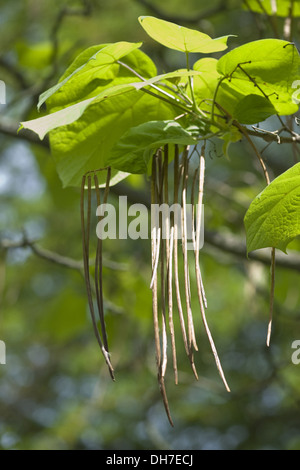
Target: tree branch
point(10, 128)
point(54, 257)
point(235, 246)
point(272, 136)
point(15, 73)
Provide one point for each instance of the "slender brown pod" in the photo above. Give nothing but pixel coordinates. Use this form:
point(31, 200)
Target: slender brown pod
point(191, 330)
point(169, 258)
point(161, 357)
point(98, 264)
point(85, 228)
point(159, 198)
point(198, 273)
point(175, 239)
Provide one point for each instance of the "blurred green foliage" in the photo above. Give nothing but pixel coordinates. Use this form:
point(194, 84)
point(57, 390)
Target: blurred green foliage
point(55, 391)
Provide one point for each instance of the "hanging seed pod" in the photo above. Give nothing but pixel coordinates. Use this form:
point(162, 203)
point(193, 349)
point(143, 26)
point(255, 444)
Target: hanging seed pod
point(164, 245)
point(86, 186)
point(166, 229)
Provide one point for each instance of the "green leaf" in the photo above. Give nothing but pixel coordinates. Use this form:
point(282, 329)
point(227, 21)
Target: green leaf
point(70, 114)
point(63, 117)
point(91, 64)
point(205, 84)
point(180, 38)
point(277, 8)
point(230, 136)
point(136, 147)
point(85, 144)
point(266, 68)
point(253, 109)
point(273, 218)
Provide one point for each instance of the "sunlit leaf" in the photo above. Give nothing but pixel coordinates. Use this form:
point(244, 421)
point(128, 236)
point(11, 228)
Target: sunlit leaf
point(91, 64)
point(134, 150)
point(273, 218)
point(180, 38)
point(85, 144)
point(70, 114)
point(267, 68)
point(253, 109)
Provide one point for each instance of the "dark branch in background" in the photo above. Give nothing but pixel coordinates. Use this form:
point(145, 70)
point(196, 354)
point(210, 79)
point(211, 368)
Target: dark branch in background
point(64, 12)
point(31, 91)
point(53, 257)
point(47, 255)
point(192, 20)
point(235, 246)
point(14, 72)
point(226, 243)
point(10, 128)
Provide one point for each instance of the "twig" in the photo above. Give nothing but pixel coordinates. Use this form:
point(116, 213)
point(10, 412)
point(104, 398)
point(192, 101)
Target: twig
point(54, 257)
point(43, 253)
point(10, 128)
point(65, 11)
point(235, 246)
point(15, 73)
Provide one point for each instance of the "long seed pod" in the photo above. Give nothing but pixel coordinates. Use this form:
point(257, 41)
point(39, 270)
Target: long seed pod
point(98, 262)
point(169, 258)
point(85, 229)
point(191, 329)
point(198, 272)
point(175, 253)
point(161, 355)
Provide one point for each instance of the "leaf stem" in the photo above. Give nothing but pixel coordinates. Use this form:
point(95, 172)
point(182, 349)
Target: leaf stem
point(191, 82)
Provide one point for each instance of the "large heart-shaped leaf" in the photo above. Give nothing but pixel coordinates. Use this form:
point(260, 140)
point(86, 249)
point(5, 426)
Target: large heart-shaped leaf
point(245, 108)
point(70, 114)
point(136, 147)
point(180, 38)
point(90, 65)
point(273, 218)
point(85, 144)
point(267, 68)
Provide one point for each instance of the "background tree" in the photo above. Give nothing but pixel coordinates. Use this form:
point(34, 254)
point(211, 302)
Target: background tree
point(55, 392)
